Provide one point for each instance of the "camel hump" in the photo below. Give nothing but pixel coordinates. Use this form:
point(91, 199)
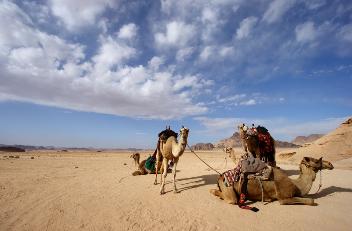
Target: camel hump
point(164, 135)
point(263, 130)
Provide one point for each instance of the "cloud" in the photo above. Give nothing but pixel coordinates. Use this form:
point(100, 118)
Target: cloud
point(277, 9)
point(79, 13)
point(177, 34)
point(45, 69)
point(345, 33)
point(245, 28)
point(305, 32)
point(128, 31)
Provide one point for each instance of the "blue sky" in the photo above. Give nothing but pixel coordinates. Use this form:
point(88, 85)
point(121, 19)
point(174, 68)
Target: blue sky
point(114, 73)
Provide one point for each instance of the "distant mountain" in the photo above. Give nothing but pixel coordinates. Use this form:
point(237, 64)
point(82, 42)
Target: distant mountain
point(300, 140)
point(235, 141)
point(11, 149)
point(203, 146)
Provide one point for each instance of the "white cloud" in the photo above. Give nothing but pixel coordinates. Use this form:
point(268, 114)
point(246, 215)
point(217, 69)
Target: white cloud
point(45, 69)
point(112, 53)
point(246, 27)
point(206, 53)
point(184, 53)
point(156, 62)
point(128, 31)
point(79, 13)
point(315, 4)
point(177, 34)
point(345, 33)
point(277, 9)
point(305, 32)
point(249, 102)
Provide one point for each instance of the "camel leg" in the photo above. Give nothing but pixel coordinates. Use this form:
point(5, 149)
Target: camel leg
point(158, 153)
point(226, 193)
point(174, 174)
point(297, 200)
point(163, 178)
point(217, 193)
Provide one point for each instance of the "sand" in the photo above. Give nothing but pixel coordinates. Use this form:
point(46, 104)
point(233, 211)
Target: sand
point(96, 191)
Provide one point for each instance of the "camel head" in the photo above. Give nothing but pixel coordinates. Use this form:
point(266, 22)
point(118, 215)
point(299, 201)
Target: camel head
point(242, 128)
point(184, 132)
point(317, 164)
point(228, 150)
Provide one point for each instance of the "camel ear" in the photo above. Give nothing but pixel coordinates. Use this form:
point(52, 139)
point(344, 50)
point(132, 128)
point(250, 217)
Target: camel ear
point(183, 126)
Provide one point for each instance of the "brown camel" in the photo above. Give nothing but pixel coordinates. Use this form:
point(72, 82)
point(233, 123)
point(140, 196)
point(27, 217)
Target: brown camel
point(282, 188)
point(136, 156)
point(171, 149)
point(251, 143)
point(143, 171)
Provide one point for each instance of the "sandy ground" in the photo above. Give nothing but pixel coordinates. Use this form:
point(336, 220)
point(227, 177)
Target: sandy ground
point(95, 191)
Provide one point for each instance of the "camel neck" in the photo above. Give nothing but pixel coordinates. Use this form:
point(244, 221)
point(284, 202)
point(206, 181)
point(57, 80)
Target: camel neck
point(181, 146)
point(305, 180)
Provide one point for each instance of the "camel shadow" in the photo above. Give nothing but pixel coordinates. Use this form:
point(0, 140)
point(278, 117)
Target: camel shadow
point(196, 181)
point(330, 190)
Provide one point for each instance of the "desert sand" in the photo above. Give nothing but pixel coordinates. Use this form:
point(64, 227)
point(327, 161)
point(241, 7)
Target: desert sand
point(96, 191)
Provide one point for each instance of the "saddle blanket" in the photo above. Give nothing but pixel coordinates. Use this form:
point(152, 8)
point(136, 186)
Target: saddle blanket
point(231, 176)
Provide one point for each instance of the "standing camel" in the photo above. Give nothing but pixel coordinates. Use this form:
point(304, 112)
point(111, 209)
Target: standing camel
point(282, 188)
point(136, 156)
point(171, 149)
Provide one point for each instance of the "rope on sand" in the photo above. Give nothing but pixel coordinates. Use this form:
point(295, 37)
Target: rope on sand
point(202, 160)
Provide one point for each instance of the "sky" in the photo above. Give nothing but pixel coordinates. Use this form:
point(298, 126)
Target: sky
point(114, 73)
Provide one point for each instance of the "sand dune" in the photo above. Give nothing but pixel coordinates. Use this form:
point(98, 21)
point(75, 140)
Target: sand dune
point(95, 191)
point(335, 146)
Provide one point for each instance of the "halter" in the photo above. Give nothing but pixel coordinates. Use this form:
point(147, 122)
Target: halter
point(320, 176)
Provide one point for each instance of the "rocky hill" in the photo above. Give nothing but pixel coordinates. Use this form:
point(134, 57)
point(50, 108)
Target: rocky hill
point(300, 140)
point(235, 141)
point(203, 146)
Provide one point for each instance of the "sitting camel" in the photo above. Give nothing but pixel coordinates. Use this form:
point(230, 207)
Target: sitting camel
point(282, 188)
point(142, 170)
point(136, 156)
point(171, 149)
point(231, 152)
point(258, 148)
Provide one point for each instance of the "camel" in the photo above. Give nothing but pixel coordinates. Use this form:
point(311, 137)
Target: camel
point(171, 149)
point(252, 144)
point(136, 156)
point(231, 153)
point(143, 171)
point(282, 188)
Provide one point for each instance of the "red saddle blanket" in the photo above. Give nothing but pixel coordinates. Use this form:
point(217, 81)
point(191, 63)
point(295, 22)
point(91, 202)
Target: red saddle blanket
point(231, 176)
point(266, 143)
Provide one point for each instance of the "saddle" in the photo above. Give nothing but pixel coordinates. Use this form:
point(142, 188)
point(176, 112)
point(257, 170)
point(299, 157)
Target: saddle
point(231, 176)
point(165, 134)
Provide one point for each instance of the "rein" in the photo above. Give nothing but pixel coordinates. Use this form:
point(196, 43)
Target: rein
point(202, 160)
point(320, 182)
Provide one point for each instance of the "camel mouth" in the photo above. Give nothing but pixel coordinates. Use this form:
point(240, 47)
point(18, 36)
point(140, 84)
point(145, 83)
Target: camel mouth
point(327, 165)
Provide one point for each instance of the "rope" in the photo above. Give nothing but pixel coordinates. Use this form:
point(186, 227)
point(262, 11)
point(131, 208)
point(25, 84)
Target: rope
point(320, 184)
point(202, 160)
point(261, 187)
